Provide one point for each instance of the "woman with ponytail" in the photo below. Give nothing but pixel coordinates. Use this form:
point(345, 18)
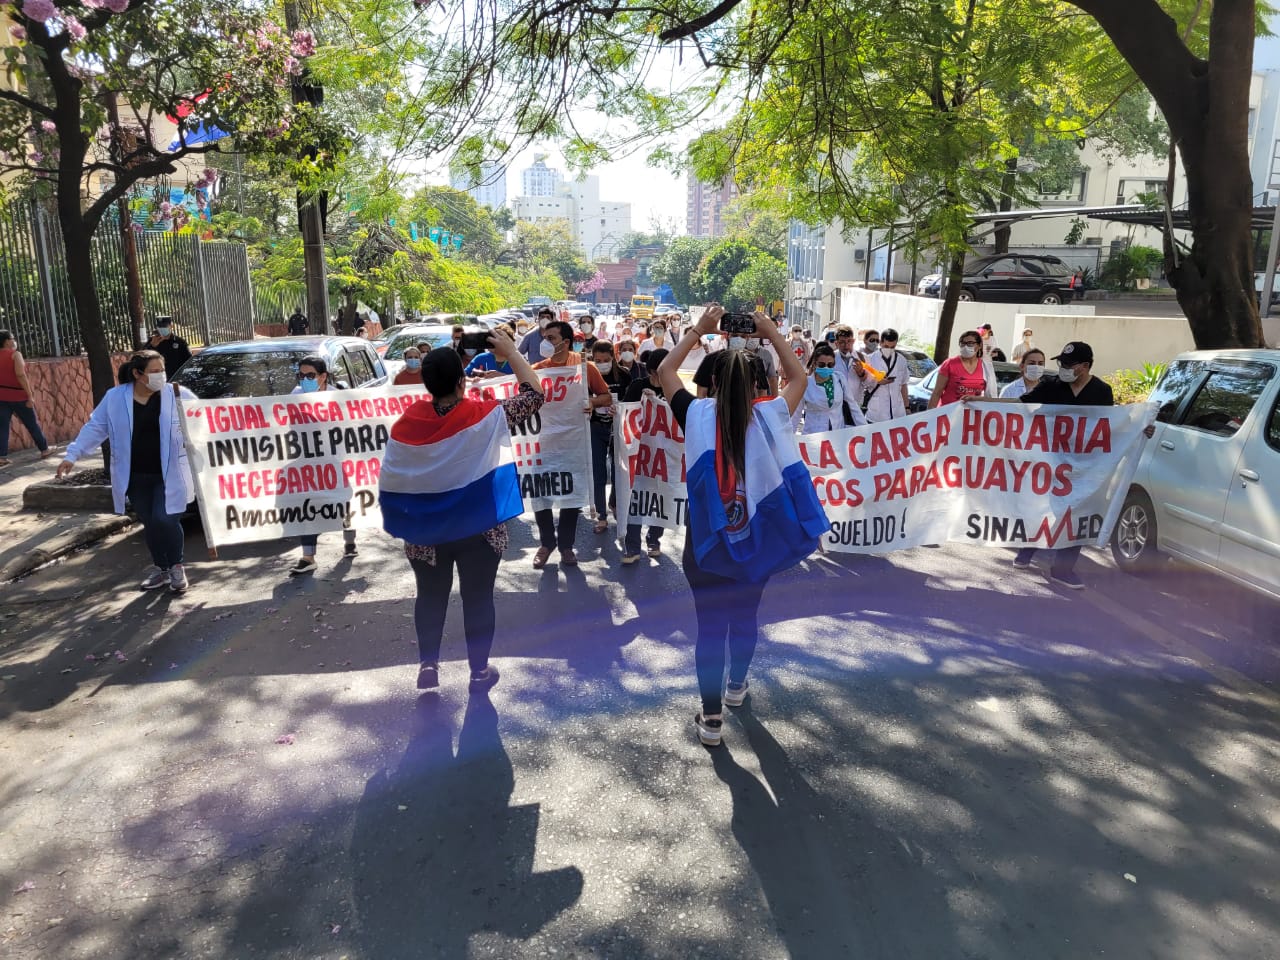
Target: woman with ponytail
point(751, 506)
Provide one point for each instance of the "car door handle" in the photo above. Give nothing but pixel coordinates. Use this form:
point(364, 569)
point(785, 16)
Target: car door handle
point(1166, 444)
point(1250, 475)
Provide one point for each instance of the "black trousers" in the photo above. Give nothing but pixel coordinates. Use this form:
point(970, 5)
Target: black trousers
point(553, 535)
point(477, 564)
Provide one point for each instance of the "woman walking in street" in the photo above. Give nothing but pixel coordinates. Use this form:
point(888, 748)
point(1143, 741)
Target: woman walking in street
point(143, 422)
point(824, 398)
point(751, 506)
point(313, 377)
point(447, 487)
point(17, 399)
point(968, 375)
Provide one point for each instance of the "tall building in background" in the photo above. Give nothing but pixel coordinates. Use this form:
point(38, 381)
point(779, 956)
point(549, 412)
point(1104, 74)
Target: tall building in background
point(540, 180)
point(488, 190)
point(706, 205)
point(597, 226)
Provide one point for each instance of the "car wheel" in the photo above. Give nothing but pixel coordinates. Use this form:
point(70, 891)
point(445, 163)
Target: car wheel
point(1133, 541)
point(966, 296)
point(1051, 297)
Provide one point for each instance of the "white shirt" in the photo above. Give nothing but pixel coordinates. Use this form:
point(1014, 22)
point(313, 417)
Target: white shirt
point(886, 397)
point(819, 415)
point(1022, 348)
point(650, 344)
point(1016, 389)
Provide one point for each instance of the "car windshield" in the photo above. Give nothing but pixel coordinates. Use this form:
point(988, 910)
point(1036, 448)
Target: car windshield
point(919, 366)
point(401, 343)
point(212, 375)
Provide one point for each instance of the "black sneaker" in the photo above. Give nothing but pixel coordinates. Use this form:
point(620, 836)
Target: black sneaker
point(708, 730)
point(484, 680)
point(428, 676)
point(1066, 579)
point(304, 565)
point(349, 550)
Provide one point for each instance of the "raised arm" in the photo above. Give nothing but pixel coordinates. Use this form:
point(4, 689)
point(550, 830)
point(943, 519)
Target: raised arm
point(669, 369)
point(792, 368)
point(504, 348)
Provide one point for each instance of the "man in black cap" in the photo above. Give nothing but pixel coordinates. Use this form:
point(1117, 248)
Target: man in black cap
point(171, 346)
point(298, 323)
point(1075, 385)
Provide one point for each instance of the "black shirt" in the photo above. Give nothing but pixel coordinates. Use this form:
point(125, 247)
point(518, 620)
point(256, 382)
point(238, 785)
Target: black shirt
point(144, 457)
point(175, 352)
point(680, 404)
point(635, 392)
point(617, 380)
point(1096, 393)
point(710, 367)
point(298, 324)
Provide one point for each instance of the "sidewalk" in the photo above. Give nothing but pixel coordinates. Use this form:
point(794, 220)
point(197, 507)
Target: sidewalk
point(33, 538)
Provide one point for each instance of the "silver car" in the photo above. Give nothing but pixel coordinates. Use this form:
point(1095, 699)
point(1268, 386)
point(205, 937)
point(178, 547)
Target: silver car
point(1207, 489)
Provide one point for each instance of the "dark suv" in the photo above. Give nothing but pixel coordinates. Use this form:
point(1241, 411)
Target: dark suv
point(1014, 278)
point(269, 367)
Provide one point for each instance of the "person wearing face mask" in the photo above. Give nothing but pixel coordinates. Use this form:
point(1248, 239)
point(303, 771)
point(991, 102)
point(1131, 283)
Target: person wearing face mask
point(17, 398)
point(412, 372)
point(657, 339)
point(886, 398)
point(587, 329)
point(967, 375)
point(456, 342)
point(627, 361)
point(823, 407)
point(709, 368)
point(313, 377)
point(802, 348)
point(1075, 385)
point(1028, 343)
point(617, 380)
point(557, 340)
point(170, 346)
point(142, 420)
point(1032, 365)
point(646, 384)
point(487, 363)
point(531, 344)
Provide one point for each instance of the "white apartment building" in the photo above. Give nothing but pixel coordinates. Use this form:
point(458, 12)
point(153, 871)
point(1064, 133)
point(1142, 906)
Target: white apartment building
point(539, 180)
point(597, 226)
point(489, 189)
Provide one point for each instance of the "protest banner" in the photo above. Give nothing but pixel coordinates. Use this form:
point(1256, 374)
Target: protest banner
point(990, 474)
point(649, 468)
point(267, 468)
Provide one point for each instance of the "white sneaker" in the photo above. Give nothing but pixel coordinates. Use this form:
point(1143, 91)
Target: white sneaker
point(156, 579)
point(178, 579)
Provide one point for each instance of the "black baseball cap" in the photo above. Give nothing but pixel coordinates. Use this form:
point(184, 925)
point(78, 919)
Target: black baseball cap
point(1077, 351)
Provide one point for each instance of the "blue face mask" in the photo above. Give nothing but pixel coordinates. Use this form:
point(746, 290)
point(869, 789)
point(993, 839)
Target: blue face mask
point(413, 363)
point(310, 386)
point(823, 373)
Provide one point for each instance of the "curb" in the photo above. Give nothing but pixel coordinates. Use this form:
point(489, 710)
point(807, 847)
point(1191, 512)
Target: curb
point(61, 546)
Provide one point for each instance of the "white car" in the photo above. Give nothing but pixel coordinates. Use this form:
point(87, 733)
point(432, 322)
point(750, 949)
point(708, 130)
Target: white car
point(1207, 489)
point(928, 286)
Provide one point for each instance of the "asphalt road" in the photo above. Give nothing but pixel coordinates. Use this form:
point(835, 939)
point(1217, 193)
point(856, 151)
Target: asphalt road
point(941, 757)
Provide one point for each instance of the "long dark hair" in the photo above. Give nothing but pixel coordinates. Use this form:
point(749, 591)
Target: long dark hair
point(821, 350)
point(734, 388)
point(137, 363)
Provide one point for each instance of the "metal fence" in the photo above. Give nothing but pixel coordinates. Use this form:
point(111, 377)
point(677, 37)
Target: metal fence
point(203, 285)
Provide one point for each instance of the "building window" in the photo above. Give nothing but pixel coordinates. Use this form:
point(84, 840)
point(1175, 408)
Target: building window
point(1132, 191)
point(1066, 189)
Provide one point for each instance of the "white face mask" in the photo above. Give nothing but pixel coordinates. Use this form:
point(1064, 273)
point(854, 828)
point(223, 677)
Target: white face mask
point(658, 333)
point(156, 381)
point(628, 356)
point(968, 352)
point(737, 343)
point(546, 349)
point(604, 366)
point(1067, 375)
point(886, 352)
point(1034, 371)
point(753, 345)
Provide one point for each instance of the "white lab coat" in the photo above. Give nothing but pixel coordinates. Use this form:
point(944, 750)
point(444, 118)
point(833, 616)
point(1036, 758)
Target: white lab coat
point(821, 416)
point(886, 402)
point(853, 384)
point(112, 419)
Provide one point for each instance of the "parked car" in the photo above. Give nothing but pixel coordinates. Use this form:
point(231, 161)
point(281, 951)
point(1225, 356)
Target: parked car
point(1207, 488)
point(919, 392)
point(436, 334)
point(1011, 278)
point(268, 367)
point(928, 285)
point(919, 362)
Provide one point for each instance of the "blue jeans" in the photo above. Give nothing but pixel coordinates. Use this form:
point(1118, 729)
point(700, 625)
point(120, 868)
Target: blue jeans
point(162, 530)
point(728, 614)
point(27, 415)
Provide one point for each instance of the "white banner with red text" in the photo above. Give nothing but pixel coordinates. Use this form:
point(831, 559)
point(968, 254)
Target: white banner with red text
point(267, 468)
point(992, 474)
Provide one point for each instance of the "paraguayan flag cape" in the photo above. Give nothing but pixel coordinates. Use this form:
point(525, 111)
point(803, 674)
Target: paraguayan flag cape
point(774, 519)
point(445, 478)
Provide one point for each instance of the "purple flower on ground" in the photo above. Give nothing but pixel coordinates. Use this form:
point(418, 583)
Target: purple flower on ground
point(39, 10)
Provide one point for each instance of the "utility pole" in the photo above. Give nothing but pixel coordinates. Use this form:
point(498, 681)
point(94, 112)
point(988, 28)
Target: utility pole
point(310, 217)
point(128, 245)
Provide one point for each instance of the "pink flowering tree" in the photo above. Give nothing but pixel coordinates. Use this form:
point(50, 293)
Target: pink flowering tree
point(103, 85)
point(593, 284)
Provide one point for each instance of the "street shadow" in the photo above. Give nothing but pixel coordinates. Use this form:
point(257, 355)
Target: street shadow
point(438, 854)
point(833, 879)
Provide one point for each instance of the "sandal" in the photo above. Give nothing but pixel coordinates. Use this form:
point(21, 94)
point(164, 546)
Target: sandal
point(601, 526)
point(540, 558)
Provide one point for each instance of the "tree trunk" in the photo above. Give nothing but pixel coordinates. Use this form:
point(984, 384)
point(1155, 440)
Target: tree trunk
point(1008, 181)
point(947, 320)
point(1206, 104)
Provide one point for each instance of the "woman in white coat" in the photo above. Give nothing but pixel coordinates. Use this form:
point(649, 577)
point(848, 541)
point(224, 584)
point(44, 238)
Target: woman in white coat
point(824, 396)
point(142, 420)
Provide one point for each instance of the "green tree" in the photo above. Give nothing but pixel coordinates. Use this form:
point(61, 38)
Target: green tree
point(550, 246)
point(763, 280)
point(458, 213)
point(679, 264)
point(719, 267)
point(96, 79)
